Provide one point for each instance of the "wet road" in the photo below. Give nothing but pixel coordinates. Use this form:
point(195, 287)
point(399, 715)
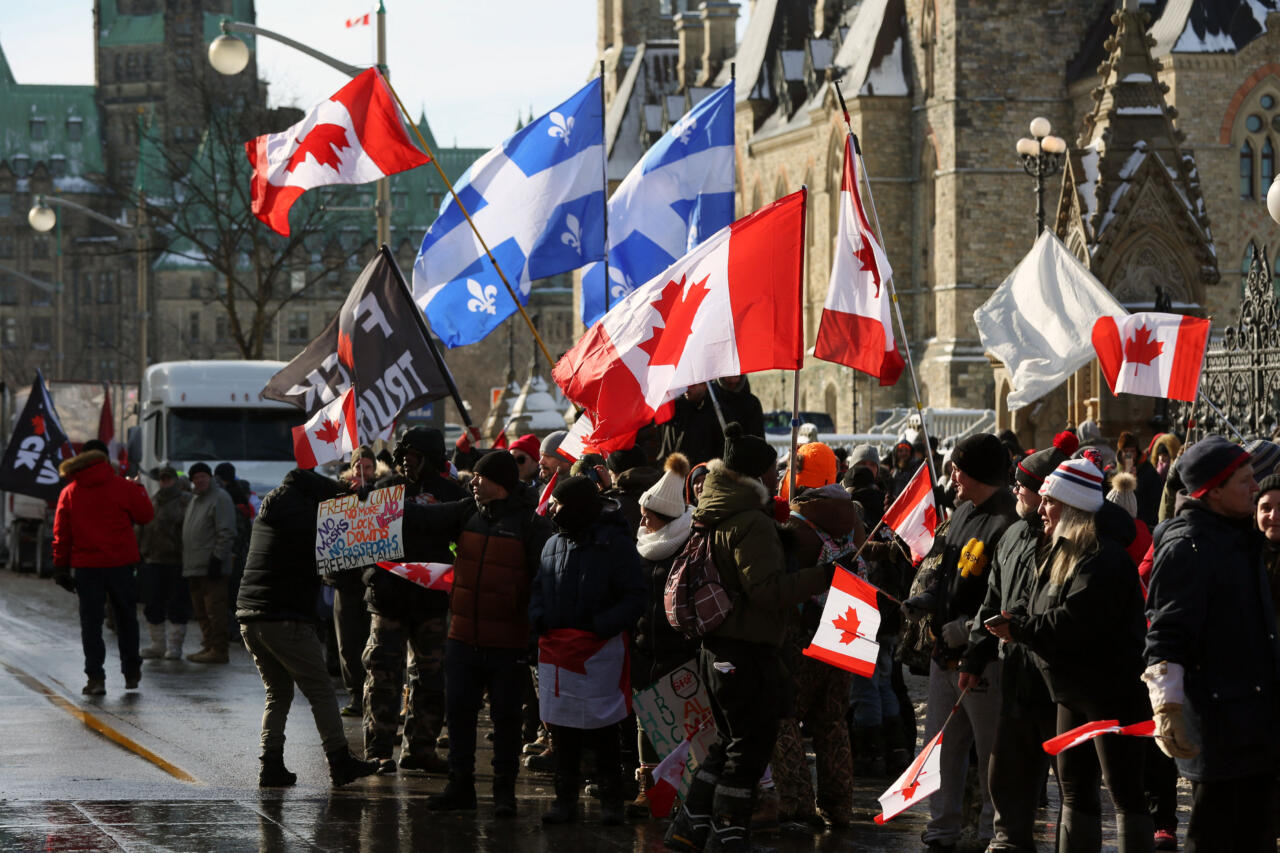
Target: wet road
point(173, 766)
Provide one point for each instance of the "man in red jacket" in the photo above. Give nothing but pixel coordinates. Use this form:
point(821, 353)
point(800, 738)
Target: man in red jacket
point(93, 534)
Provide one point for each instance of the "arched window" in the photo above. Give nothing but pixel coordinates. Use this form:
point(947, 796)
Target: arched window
point(1268, 165)
point(1246, 170)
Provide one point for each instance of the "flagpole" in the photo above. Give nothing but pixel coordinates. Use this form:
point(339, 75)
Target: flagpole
point(426, 334)
point(893, 291)
point(795, 380)
point(715, 403)
point(604, 169)
point(435, 161)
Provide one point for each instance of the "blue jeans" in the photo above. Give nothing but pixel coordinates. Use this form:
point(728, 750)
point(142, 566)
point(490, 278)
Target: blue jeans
point(94, 588)
point(872, 699)
point(468, 671)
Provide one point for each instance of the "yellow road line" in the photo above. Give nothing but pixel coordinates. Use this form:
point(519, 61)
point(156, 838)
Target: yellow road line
point(98, 725)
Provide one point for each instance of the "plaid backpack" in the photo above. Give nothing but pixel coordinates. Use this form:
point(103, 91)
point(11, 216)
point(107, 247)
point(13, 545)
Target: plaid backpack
point(695, 599)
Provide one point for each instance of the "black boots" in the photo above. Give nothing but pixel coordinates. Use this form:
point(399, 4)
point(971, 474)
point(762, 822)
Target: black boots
point(731, 822)
point(504, 796)
point(458, 795)
point(273, 773)
point(565, 807)
point(345, 767)
point(689, 831)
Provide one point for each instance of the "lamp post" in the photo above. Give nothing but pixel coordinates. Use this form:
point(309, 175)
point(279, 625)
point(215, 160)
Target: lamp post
point(229, 55)
point(42, 218)
point(1042, 156)
point(1273, 200)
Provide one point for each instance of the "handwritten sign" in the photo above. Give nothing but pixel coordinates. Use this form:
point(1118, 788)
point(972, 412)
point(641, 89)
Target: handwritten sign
point(675, 707)
point(351, 533)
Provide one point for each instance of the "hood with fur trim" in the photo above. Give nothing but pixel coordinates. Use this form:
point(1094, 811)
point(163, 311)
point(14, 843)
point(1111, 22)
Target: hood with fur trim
point(80, 462)
point(727, 493)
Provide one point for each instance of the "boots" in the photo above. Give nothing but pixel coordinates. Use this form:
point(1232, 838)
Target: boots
point(1136, 833)
point(1079, 832)
point(458, 795)
point(345, 767)
point(689, 831)
point(565, 807)
point(95, 687)
point(273, 773)
point(156, 649)
point(210, 655)
point(173, 641)
point(504, 796)
point(897, 754)
point(639, 807)
point(868, 751)
point(132, 677)
point(730, 822)
point(611, 810)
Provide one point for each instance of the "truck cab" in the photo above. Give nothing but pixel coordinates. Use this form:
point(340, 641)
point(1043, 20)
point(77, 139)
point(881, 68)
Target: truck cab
point(209, 411)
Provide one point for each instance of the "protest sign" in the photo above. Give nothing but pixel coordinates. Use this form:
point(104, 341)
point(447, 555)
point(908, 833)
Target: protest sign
point(674, 708)
point(351, 533)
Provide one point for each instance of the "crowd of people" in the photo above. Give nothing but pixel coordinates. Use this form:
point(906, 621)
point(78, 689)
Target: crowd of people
point(1087, 581)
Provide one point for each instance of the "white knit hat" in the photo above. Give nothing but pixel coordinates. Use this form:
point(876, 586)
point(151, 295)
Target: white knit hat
point(1123, 493)
point(666, 497)
point(1077, 483)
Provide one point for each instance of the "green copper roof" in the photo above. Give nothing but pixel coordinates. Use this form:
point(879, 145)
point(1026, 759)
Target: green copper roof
point(131, 29)
point(49, 123)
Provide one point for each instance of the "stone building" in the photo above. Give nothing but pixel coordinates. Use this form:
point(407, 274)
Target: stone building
point(938, 92)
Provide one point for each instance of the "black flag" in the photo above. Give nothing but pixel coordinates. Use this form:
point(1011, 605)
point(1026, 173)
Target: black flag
point(378, 343)
point(38, 444)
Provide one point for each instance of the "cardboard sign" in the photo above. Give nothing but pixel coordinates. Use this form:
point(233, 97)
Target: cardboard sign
point(351, 533)
point(672, 709)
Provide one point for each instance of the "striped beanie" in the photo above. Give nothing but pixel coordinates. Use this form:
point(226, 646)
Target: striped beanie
point(1077, 483)
point(1264, 456)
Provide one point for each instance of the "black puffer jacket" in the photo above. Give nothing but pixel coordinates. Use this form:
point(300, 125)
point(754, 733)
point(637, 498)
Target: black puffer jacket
point(280, 580)
point(656, 647)
point(627, 489)
point(592, 583)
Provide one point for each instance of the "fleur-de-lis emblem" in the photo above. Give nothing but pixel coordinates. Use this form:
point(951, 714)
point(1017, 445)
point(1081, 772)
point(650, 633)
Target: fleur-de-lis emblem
point(561, 127)
point(621, 284)
point(684, 128)
point(572, 237)
point(485, 298)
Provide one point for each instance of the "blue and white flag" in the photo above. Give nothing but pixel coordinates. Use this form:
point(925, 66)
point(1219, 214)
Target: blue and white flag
point(680, 193)
point(538, 199)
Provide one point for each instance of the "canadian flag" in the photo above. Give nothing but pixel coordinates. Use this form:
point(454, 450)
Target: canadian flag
point(574, 444)
point(1089, 731)
point(666, 780)
point(329, 435)
point(358, 21)
point(914, 514)
point(544, 502)
point(918, 781)
point(730, 306)
point(1153, 354)
point(856, 329)
point(846, 636)
point(584, 680)
point(427, 575)
point(353, 138)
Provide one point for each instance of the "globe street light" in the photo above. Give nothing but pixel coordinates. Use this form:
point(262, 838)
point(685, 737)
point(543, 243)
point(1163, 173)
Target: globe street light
point(228, 55)
point(1273, 199)
point(1042, 157)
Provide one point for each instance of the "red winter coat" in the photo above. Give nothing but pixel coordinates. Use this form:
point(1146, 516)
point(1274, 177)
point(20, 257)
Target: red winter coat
point(93, 527)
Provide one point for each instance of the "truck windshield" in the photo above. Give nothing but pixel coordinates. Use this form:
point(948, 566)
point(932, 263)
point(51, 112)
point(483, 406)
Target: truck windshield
point(241, 434)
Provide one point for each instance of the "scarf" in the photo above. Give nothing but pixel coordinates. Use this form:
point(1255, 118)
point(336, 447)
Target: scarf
point(661, 544)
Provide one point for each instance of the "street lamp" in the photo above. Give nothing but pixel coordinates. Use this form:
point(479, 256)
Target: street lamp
point(1042, 157)
point(42, 218)
point(1273, 199)
point(229, 55)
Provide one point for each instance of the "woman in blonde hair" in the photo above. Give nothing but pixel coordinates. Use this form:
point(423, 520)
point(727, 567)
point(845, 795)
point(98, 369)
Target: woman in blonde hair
point(1085, 625)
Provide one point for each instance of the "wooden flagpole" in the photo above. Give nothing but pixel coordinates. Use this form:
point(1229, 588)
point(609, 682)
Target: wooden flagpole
point(435, 161)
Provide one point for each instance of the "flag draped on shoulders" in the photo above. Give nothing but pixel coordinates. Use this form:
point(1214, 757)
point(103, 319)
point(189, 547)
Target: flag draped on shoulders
point(538, 200)
point(679, 194)
point(353, 138)
point(730, 306)
point(856, 329)
point(584, 680)
point(1153, 354)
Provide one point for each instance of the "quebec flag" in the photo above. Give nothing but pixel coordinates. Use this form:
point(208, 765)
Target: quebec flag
point(538, 199)
point(680, 193)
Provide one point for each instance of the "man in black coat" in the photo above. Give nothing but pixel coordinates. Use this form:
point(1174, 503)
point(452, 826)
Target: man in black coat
point(1213, 661)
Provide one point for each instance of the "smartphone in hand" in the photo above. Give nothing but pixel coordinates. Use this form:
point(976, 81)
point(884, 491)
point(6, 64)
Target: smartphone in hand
point(996, 621)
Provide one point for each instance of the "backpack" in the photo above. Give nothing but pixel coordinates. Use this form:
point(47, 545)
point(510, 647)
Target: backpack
point(915, 648)
point(695, 599)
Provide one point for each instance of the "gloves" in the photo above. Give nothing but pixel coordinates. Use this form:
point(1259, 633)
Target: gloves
point(916, 608)
point(956, 632)
point(1173, 735)
point(215, 568)
point(64, 580)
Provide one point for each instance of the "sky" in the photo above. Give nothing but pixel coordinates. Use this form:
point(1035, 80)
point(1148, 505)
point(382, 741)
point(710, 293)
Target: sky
point(474, 65)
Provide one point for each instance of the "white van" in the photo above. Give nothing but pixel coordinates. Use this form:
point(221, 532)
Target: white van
point(209, 411)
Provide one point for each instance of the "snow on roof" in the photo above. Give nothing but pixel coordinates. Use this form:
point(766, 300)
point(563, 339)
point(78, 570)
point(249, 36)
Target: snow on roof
point(1209, 26)
point(1147, 110)
point(753, 79)
point(872, 55)
point(888, 76)
point(1088, 188)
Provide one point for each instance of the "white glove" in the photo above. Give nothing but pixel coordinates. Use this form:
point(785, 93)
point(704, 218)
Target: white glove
point(1173, 735)
point(1164, 683)
point(956, 632)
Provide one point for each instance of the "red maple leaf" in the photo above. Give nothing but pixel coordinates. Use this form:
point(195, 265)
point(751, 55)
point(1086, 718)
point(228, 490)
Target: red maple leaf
point(867, 257)
point(323, 142)
point(1141, 349)
point(910, 790)
point(931, 519)
point(848, 625)
point(677, 310)
point(345, 354)
point(329, 431)
point(37, 424)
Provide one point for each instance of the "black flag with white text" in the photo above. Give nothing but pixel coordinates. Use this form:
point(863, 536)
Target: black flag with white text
point(36, 447)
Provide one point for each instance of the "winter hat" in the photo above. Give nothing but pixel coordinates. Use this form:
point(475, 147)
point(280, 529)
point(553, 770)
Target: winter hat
point(816, 465)
point(551, 443)
point(1209, 463)
point(1088, 431)
point(864, 453)
point(588, 462)
point(747, 454)
point(1268, 484)
point(806, 434)
point(580, 504)
point(1124, 493)
point(94, 444)
point(526, 444)
point(1128, 440)
point(624, 460)
point(1264, 455)
point(983, 458)
point(666, 497)
point(225, 471)
point(1076, 483)
point(500, 467)
point(199, 468)
point(1033, 469)
point(696, 473)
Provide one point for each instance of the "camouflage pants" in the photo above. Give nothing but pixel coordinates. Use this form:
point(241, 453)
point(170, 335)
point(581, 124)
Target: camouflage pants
point(822, 700)
point(400, 652)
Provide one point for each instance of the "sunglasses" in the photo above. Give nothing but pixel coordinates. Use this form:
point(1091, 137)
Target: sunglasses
point(520, 458)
